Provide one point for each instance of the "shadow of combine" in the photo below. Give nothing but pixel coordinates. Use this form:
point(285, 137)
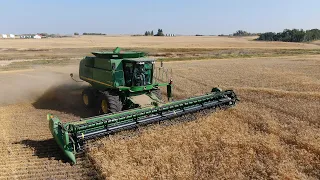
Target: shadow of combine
point(45, 149)
point(64, 98)
point(49, 149)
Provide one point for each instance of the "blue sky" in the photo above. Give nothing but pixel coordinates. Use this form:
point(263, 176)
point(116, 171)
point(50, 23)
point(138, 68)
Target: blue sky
point(179, 16)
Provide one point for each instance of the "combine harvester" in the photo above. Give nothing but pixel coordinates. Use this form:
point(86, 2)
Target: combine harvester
point(125, 91)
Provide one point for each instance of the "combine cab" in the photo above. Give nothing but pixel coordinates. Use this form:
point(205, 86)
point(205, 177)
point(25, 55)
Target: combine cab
point(125, 92)
point(120, 81)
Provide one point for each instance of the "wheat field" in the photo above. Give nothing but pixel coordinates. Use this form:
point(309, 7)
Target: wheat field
point(149, 42)
point(272, 133)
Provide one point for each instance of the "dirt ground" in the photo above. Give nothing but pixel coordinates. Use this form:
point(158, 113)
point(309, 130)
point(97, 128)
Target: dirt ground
point(273, 133)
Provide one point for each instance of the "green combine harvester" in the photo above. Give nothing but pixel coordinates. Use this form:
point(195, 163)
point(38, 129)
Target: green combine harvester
point(125, 92)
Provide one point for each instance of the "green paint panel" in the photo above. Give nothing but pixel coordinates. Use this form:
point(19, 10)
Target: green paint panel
point(103, 76)
point(110, 70)
point(104, 64)
point(118, 77)
point(89, 61)
point(120, 55)
point(61, 137)
point(86, 65)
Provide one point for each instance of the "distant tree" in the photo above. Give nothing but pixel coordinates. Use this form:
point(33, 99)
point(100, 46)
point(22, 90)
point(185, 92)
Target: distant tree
point(268, 36)
point(76, 34)
point(294, 35)
point(243, 33)
point(312, 35)
point(297, 35)
point(93, 33)
point(52, 35)
point(160, 32)
point(148, 33)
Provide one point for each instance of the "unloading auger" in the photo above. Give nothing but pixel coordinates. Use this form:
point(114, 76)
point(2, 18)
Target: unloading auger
point(125, 90)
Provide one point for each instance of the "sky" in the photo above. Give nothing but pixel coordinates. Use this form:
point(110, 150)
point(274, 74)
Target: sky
point(185, 17)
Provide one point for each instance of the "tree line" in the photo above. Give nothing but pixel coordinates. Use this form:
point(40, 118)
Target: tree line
point(243, 33)
point(294, 35)
point(150, 33)
point(92, 33)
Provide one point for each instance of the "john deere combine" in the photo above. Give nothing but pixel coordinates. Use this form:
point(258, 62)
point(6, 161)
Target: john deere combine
point(125, 91)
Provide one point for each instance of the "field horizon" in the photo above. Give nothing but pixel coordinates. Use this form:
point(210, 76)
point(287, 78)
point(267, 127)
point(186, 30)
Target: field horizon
point(213, 42)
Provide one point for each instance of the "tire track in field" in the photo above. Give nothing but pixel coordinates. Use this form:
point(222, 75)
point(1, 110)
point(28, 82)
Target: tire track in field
point(29, 152)
point(293, 137)
point(284, 134)
point(5, 148)
point(294, 115)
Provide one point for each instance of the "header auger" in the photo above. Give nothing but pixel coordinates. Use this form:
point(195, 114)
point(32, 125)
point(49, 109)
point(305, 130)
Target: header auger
point(125, 90)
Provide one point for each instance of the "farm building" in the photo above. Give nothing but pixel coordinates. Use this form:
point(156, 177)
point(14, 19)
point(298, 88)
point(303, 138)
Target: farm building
point(25, 36)
point(37, 36)
point(5, 36)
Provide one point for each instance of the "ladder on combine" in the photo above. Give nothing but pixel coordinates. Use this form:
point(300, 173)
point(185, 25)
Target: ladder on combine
point(162, 74)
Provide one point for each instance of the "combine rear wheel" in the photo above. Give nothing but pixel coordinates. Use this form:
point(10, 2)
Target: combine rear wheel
point(88, 97)
point(110, 103)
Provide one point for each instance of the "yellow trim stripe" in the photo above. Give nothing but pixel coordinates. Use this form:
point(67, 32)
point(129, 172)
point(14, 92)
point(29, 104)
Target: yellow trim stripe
point(96, 81)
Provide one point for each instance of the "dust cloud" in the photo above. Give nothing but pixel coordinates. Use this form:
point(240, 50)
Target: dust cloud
point(45, 89)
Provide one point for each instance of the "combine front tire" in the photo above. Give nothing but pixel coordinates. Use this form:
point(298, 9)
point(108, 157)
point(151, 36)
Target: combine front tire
point(88, 97)
point(110, 103)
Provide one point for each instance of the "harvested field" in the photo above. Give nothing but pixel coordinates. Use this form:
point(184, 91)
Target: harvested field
point(273, 133)
point(26, 53)
point(147, 42)
point(27, 149)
